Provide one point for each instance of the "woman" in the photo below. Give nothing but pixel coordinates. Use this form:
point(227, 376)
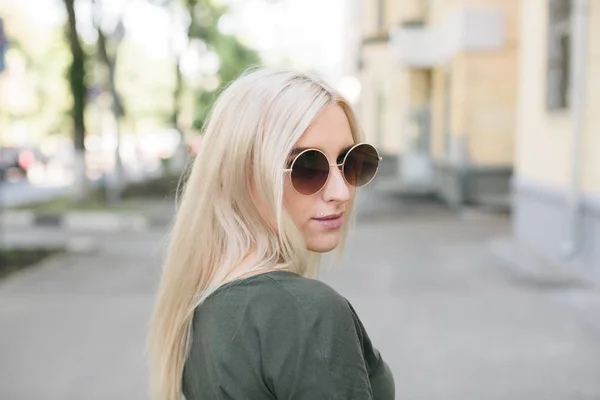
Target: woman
point(239, 314)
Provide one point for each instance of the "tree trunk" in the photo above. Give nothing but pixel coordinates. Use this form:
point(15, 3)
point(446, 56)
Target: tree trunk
point(115, 189)
point(179, 158)
point(177, 162)
point(177, 95)
point(77, 82)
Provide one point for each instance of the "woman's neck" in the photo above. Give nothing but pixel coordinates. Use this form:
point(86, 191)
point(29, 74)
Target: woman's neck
point(247, 268)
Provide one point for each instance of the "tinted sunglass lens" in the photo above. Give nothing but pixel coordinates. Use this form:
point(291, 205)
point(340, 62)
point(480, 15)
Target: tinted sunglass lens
point(310, 172)
point(361, 165)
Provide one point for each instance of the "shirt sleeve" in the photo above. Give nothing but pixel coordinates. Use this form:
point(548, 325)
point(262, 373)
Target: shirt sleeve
point(313, 349)
point(380, 375)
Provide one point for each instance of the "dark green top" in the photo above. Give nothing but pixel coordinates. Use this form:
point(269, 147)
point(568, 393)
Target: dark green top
point(282, 336)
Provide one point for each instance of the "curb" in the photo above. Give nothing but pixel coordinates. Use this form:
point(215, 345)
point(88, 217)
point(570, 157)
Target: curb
point(525, 265)
point(79, 245)
point(95, 221)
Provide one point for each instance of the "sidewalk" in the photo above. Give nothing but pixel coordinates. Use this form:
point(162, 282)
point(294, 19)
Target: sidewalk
point(74, 327)
point(446, 315)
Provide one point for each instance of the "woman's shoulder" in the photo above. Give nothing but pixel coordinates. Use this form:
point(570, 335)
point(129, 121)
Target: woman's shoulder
point(272, 306)
point(303, 290)
point(277, 292)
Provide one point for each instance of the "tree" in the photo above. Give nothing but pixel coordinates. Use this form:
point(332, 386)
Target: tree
point(203, 25)
point(44, 53)
point(234, 56)
point(78, 86)
point(178, 159)
point(107, 49)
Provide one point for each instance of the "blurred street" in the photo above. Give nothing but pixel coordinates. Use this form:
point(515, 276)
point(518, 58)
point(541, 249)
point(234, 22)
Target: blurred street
point(52, 183)
point(449, 319)
point(24, 192)
point(493, 295)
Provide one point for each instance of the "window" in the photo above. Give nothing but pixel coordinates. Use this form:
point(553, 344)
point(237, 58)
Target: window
point(559, 54)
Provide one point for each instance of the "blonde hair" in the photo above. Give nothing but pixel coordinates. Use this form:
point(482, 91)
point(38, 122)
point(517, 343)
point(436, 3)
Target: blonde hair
point(252, 127)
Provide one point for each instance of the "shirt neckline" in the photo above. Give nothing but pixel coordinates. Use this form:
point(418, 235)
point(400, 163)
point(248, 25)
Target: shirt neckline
point(247, 279)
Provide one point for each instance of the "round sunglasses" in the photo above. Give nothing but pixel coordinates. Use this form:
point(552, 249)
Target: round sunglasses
point(310, 168)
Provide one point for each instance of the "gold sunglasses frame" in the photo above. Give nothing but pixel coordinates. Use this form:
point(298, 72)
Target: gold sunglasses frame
point(333, 165)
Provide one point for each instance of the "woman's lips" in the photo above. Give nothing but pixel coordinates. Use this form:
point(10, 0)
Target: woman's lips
point(330, 222)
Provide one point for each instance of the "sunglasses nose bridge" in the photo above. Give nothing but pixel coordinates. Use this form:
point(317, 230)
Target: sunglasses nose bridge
point(340, 168)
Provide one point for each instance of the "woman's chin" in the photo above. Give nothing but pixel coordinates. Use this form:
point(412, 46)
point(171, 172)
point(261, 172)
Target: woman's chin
point(324, 243)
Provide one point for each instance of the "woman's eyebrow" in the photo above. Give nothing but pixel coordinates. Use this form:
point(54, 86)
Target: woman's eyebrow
point(345, 149)
point(299, 150)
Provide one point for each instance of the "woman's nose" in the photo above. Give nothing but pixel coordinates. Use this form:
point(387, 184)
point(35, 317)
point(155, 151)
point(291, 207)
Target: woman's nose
point(336, 188)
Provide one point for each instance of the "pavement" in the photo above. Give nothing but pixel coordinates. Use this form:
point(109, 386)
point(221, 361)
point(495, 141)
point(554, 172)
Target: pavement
point(450, 320)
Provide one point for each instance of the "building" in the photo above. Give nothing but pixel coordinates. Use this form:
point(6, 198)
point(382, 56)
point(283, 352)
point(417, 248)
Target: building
point(557, 175)
point(439, 90)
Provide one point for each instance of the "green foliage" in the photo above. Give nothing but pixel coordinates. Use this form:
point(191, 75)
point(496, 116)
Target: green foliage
point(204, 100)
point(204, 17)
point(59, 68)
point(11, 261)
point(45, 56)
point(147, 91)
point(164, 187)
point(234, 56)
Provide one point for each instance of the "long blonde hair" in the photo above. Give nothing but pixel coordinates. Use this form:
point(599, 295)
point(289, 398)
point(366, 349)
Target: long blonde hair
point(253, 126)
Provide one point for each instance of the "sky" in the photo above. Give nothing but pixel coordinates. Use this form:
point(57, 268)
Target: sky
point(310, 32)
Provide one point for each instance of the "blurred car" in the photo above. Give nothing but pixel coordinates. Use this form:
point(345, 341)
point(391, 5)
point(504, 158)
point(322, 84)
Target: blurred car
point(18, 160)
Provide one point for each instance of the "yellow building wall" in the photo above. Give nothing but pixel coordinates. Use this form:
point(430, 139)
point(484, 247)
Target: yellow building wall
point(511, 10)
point(419, 87)
point(490, 108)
point(438, 11)
point(459, 102)
point(482, 88)
point(395, 12)
point(369, 12)
point(409, 10)
point(591, 157)
point(482, 94)
point(391, 16)
point(491, 94)
point(448, 105)
point(544, 137)
point(437, 114)
point(381, 73)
